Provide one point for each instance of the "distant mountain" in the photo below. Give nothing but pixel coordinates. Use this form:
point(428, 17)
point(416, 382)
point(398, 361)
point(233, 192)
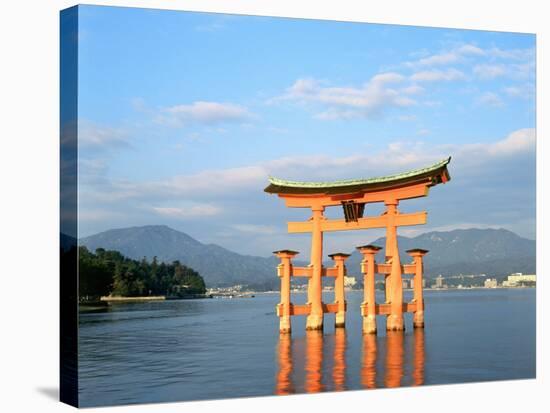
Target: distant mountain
point(466, 251)
point(217, 265)
point(469, 251)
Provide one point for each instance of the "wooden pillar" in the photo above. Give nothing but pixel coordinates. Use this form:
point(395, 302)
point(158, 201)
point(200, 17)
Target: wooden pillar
point(284, 271)
point(315, 290)
point(394, 321)
point(339, 296)
point(368, 306)
point(417, 254)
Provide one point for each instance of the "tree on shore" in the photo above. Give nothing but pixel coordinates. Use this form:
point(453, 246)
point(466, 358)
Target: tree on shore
point(109, 272)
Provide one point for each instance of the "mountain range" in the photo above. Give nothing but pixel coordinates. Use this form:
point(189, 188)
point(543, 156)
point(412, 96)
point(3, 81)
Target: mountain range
point(494, 252)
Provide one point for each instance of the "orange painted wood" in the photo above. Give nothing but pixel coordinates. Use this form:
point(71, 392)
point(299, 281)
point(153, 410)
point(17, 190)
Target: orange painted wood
point(302, 271)
point(307, 271)
point(332, 307)
point(418, 190)
point(295, 309)
point(386, 268)
point(386, 308)
point(417, 218)
point(305, 309)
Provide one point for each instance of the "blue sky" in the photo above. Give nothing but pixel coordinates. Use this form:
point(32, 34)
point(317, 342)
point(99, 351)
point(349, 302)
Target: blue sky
point(182, 116)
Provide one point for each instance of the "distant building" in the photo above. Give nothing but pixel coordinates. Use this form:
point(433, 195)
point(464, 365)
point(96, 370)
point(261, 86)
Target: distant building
point(423, 282)
point(520, 280)
point(439, 281)
point(407, 283)
point(490, 283)
point(349, 282)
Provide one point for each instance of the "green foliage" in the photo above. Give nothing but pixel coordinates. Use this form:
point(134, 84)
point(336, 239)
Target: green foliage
point(109, 272)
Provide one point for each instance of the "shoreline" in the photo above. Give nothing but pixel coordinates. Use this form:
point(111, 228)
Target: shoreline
point(122, 299)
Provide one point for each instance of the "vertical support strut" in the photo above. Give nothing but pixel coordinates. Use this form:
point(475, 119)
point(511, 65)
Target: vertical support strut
point(394, 283)
point(339, 297)
point(417, 255)
point(284, 271)
point(368, 306)
point(315, 298)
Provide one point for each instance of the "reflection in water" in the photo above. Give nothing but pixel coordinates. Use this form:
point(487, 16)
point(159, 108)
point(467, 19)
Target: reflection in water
point(418, 367)
point(314, 361)
point(284, 382)
point(339, 369)
point(394, 358)
point(392, 366)
point(368, 370)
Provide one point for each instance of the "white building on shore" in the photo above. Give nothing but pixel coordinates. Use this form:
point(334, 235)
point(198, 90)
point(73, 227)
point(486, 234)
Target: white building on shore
point(349, 282)
point(490, 283)
point(519, 280)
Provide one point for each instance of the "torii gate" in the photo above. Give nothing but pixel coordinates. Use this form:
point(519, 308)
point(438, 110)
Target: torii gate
point(353, 195)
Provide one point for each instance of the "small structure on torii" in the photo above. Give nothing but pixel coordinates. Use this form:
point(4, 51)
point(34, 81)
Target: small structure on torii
point(352, 196)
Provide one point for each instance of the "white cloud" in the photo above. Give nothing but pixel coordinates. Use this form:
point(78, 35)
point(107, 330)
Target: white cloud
point(520, 141)
point(525, 70)
point(489, 71)
point(437, 75)
point(455, 55)
point(209, 113)
point(98, 215)
point(490, 99)
point(407, 118)
point(94, 136)
point(257, 229)
point(438, 59)
point(511, 54)
point(469, 49)
point(380, 93)
point(489, 63)
point(464, 53)
point(413, 90)
point(202, 193)
point(193, 211)
point(526, 91)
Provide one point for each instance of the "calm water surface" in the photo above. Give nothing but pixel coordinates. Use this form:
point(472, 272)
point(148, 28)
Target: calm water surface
point(220, 348)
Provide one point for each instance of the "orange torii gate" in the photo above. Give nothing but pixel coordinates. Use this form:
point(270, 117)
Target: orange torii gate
point(352, 196)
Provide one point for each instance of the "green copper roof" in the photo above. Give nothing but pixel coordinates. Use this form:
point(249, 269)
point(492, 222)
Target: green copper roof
point(281, 185)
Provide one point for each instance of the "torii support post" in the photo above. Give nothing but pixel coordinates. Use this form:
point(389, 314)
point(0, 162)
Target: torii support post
point(417, 254)
point(315, 287)
point(284, 271)
point(339, 298)
point(394, 282)
point(369, 298)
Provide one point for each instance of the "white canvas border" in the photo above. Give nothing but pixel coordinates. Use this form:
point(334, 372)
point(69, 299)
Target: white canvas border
point(29, 170)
